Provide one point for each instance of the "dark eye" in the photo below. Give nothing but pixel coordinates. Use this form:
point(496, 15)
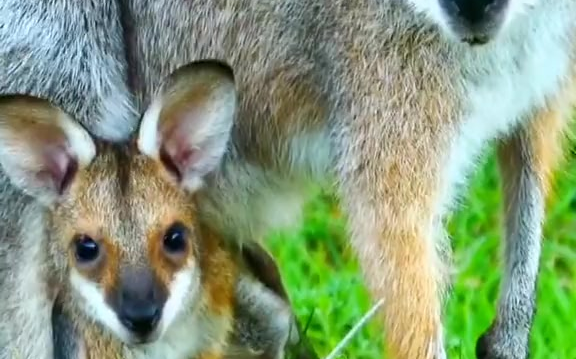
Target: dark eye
point(175, 239)
point(87, 250)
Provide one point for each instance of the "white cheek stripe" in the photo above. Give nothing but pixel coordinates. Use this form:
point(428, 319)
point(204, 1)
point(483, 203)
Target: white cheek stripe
point(183, 289)
point(95, 306)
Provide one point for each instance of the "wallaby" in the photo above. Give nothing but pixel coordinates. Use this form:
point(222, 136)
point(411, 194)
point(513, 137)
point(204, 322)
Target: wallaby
point(392, 100)
point(111, 230)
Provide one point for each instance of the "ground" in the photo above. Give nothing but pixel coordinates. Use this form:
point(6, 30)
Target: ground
point(322, 275)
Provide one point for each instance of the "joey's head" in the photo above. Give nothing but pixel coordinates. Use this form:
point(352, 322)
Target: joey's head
point(474, 21)
point(120, 218)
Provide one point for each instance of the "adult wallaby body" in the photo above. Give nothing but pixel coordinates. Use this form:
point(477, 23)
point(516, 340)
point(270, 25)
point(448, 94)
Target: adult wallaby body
point(392, 99)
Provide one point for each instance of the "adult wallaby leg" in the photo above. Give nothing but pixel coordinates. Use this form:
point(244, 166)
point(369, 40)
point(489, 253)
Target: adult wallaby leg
point(527, 160)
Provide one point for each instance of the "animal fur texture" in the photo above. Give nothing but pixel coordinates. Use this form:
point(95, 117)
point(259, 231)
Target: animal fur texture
point(97, 237)
point(387, 99)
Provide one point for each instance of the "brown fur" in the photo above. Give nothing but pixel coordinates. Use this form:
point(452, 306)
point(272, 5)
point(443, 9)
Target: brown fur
point(386, 91)
point(283, 101)
point(94, 198)
point(368, 94)
point(544, 139)
point(219, 275)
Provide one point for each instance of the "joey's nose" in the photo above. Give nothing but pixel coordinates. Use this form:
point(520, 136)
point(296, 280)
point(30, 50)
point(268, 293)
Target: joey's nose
point(475, 12)
point(139, 300)
point(140, 318)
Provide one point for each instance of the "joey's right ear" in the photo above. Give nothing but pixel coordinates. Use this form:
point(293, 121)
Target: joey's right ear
point(188, 124)
point(41, 147)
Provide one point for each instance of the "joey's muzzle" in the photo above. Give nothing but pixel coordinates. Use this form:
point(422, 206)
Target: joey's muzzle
point(138, 302)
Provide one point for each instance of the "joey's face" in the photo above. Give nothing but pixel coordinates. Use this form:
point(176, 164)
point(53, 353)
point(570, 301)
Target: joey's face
point(474, 21)
point(130, 242)
point(122, 221)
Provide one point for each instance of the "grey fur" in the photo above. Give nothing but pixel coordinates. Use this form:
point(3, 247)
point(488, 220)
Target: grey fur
point(66, 340)
point(337, 64)
point(71, 53)
point(509, 335)
point(27, 292)
point(265, 325)
point(362, 85)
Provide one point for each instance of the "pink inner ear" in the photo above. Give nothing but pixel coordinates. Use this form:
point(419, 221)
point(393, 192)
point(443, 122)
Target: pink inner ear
point(177, 153)
point(59, 166)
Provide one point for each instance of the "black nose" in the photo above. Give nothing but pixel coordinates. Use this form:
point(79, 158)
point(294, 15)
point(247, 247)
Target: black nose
point(139, 300)
point(140, 318)
point(474, 12)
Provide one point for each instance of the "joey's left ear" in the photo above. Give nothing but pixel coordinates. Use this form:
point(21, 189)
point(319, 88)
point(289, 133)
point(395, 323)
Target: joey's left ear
point(188, 124)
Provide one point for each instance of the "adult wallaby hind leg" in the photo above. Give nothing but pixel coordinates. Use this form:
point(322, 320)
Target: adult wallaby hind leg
point(527, 161)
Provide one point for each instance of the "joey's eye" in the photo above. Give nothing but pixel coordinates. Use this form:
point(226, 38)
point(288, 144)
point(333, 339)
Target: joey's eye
point(87, 250)
point(175, 239)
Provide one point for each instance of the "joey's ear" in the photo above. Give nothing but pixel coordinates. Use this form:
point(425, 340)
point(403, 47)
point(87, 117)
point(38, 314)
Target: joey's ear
point(188, 123)
point(41, 147)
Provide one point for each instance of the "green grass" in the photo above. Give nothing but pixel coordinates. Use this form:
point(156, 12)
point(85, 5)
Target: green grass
point(322, 274)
